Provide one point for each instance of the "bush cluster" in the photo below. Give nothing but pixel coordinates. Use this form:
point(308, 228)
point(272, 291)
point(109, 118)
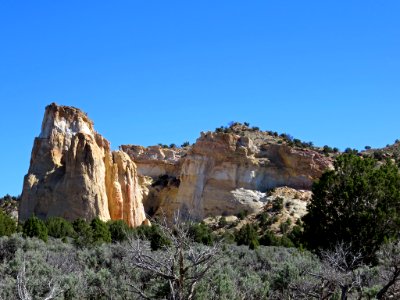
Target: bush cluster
point(185, 144)
point(201, 233)
point(105, 272)
point(352, 224)
point(81, 232)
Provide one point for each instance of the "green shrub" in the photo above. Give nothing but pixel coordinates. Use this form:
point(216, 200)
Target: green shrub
point(34, 227)
point(242, 214)
point(59, 228)
point(8, 226)
point(297, 142)
point(201, 233)
point(296, 235)
point(264, 219)
point(101, 234)
point(284, 276)
point(274, 219)
point(228, 237)
point(247, 235)
point(185, 144)
point(350, 151)
point(83, 236)
point(285, 241)
point(378, 154)
point(158, 239)
point(327, 149)
point(119, 230)
point(277, 204)
point(269, 239)
point(222, 222)
point(154, 234)
point(285, 226)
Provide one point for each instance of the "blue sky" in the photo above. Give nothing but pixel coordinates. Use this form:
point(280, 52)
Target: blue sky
point(162, 71)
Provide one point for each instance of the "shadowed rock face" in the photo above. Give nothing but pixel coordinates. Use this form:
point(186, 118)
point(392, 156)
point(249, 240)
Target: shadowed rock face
point(73, 174)
point(224, 173)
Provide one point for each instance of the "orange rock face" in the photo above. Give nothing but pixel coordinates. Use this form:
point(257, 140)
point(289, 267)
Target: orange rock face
point(125, 197)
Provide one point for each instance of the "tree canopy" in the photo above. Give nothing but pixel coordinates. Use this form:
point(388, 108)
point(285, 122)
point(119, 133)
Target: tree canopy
point(357, 203)
point(7, 224)
point(35, 227)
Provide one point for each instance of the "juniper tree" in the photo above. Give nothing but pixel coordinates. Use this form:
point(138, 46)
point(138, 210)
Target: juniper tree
point(357, 203)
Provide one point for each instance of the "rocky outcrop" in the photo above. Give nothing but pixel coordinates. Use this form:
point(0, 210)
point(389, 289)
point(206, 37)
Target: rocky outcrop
point(73, 173)
point(124, 192)
point(154, 161)
point(225, 173)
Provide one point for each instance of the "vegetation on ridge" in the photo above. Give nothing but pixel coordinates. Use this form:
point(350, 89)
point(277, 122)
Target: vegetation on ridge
point(279, 138)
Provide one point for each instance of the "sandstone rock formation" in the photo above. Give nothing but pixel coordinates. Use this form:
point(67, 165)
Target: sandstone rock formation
point(154, 161)
point(73, 173)
point(223, 173)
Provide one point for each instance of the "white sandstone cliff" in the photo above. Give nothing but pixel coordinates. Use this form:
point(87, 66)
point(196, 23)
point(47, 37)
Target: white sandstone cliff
point(224, 173)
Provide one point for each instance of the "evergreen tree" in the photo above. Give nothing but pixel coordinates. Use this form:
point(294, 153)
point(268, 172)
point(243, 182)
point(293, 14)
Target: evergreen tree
point(34, 227)
point(59, 227)
point(357, 203)
point(119, 230)
point(8, 226)
point(157, 238)
point(101, 234)
point(154, 234)
point(83, 236)
point(201, 233)
point(247, 235)
point(269, 239)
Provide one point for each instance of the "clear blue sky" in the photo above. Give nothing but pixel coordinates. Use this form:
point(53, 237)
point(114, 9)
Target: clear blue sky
point(162, 71)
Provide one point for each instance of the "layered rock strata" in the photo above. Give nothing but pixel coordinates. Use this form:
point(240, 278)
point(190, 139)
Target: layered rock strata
point(73, 174)
point(223, 173)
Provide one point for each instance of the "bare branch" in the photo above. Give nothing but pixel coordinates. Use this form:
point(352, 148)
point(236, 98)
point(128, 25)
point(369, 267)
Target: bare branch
point(21, 283)
point(183, 264)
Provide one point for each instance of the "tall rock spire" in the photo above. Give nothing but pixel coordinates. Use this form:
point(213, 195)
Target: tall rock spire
point(73, 174)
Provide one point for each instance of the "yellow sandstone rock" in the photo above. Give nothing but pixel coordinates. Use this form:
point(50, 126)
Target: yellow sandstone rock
point(224, 173)
point(73, 173)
